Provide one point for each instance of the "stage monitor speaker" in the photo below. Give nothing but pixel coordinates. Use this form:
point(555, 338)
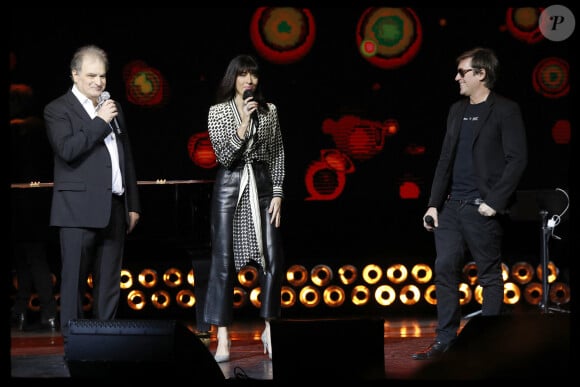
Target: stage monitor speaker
point(137, 349)
point(328, 349)
point(528, 346)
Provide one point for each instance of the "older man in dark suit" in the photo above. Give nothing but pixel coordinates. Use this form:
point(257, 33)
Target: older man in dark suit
point(95, 200)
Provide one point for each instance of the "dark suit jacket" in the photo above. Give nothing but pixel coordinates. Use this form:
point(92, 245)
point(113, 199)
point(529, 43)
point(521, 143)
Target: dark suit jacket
point(82, 165)
point(499, 152)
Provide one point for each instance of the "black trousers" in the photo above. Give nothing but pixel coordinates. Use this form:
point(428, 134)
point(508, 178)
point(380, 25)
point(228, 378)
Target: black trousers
point(98, 252)
point(220, 292)
point(461, 227)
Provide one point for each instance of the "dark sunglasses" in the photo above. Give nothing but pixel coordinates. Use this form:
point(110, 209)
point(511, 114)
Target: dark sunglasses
point(462, 72)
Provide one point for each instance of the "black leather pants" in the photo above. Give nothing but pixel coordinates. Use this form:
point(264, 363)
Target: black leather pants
point(219, 298)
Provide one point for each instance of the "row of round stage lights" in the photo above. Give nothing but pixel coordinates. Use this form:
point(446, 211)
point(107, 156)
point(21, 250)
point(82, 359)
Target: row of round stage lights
point(321, 289)
point(518, 280)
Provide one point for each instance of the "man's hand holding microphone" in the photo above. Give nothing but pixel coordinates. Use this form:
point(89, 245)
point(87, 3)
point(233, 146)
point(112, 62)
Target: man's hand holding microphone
point(107, 108)
point(430, 221)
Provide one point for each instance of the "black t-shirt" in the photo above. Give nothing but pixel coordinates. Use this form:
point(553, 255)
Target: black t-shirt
point(464, 185)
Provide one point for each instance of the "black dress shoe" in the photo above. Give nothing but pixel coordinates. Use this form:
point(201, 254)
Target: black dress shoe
point(434, 350)
point(204, 337)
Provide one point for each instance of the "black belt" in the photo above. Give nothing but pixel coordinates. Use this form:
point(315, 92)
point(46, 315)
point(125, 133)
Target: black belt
point(473, 202)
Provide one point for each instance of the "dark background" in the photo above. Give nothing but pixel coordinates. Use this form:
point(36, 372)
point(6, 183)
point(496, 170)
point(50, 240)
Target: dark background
point(191, 48)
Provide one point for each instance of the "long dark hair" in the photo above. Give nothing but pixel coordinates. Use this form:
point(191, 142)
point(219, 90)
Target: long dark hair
point(227, 87)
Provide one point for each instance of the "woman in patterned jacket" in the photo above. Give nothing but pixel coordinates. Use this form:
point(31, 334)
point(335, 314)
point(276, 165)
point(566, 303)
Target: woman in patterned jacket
point(247, 197)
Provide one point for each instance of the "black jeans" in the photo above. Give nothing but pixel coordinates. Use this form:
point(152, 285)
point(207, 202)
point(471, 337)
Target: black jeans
point(461, 227)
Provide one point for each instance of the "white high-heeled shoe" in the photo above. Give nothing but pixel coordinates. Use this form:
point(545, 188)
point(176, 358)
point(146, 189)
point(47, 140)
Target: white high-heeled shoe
point(267, 341)
point(223, 357)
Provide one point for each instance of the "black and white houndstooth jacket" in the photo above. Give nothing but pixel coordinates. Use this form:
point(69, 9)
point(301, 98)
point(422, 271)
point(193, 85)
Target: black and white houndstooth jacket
point(264, 145)
point(223, 122)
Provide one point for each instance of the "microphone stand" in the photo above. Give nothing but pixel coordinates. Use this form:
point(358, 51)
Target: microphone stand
point(544, 255)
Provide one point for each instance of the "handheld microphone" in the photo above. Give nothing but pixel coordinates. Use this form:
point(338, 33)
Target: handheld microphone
point(429, 220)
point(105, 95)
point(102, 98)
point(247, 94)
point(254, 116)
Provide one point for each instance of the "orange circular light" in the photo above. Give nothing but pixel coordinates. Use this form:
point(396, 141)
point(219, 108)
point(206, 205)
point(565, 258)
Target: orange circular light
point(297, 275)
point(185, 298)
point(126, 279)
point(397, 273)
point(372, 274)
point(533, 293)
point(465, 293)
point(422, 273)
point(560, 293)
point(552, 272)
point(148, 278)
point(172, 277)
point(333, 296)
point(288, 297)
point(347, 274)
point(360, 295)
point(248, 276)
point(191, 277)
point(136, 300)
point(160, 299)
point(309, 296)
point(410, 294)
point(511, 293)
point(321, 275)
point(385, 295)
point(522, 272)
point(430, 295)
point(255, 297)
point(240, 297)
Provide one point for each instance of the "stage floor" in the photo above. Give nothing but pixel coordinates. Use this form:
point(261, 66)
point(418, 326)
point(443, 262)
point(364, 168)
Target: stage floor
point(40, 355)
